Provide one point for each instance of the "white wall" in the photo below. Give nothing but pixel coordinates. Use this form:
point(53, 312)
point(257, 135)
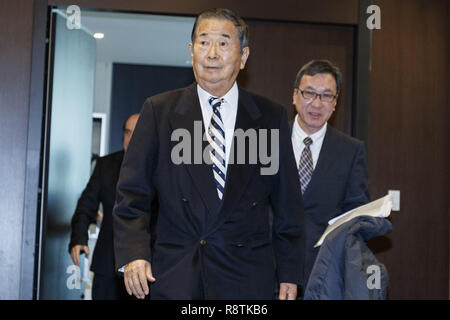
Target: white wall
point(102, 93)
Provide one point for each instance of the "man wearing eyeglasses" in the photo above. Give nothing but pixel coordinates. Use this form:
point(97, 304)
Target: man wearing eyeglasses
point(332, 165)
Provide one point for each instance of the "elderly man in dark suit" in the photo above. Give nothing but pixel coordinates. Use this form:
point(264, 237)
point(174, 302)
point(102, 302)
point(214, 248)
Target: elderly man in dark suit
point(101, 188)
point(213, 237)
point(332, 165)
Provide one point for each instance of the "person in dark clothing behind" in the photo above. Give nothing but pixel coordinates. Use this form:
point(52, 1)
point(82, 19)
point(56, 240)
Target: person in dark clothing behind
point(101, 188)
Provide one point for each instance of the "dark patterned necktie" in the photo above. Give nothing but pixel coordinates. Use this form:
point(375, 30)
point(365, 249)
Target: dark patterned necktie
point(216, 138)
point(305, 169)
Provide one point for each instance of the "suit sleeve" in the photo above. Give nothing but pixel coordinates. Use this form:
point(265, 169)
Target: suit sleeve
point(288, 211)
point(357, 191)
point(135, 192)
point(86, 210)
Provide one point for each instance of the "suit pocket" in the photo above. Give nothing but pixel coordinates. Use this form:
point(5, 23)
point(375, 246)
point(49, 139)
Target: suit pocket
point(255, 242)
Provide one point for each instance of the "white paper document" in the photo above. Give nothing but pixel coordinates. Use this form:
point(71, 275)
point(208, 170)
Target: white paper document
point(379, 208)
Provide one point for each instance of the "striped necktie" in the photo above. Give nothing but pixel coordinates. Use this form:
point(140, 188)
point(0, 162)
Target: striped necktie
point(216, 138)
point(305, 169)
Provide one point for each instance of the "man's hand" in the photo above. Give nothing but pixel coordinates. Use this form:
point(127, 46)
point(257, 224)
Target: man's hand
point(75, 252)
point(288, 291)
point(136, 275)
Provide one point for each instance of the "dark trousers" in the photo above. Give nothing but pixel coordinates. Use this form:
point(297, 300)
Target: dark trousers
point(108, 288)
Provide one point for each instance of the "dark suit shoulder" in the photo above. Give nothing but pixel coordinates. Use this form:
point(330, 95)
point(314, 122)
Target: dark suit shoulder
point(343, 139)
point(263, 102)
point(111, 159)
point(164, 96)
point(256, 104)
point(169, 98)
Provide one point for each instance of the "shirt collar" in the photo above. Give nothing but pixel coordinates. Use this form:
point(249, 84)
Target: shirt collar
point(231, 97)
point(301, 135)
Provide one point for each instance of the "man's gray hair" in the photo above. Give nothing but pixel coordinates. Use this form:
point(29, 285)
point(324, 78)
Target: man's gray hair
point(220, 13)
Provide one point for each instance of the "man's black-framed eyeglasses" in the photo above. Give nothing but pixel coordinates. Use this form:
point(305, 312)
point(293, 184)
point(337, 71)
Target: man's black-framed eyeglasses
point(311, 95)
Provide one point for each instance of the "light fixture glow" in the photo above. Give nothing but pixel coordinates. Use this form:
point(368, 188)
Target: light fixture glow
point(98, 35)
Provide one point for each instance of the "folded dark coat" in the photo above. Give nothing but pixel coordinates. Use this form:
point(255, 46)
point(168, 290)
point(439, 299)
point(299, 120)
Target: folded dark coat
point(345, 268)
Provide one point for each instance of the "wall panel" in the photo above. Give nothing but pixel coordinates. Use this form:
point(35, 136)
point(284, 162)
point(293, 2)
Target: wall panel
point(15, 66)
point(408, 141)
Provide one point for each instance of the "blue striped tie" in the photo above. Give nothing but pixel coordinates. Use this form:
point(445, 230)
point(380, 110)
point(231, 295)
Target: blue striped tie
point(216, 138)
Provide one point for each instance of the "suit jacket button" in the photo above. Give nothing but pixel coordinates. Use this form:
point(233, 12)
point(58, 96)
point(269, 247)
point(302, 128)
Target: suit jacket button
point(184, 200)
point(254, 204)
point(203, 242)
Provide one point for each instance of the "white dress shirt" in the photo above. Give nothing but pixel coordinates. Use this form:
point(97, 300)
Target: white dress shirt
point(228, 111)
point(297, 142)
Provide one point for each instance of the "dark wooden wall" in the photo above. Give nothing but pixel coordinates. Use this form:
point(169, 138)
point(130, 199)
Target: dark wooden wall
point(279, 49)
point(409, 143)
point(16, 26)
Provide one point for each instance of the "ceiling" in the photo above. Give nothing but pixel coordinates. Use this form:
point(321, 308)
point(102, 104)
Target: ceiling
point(140, 38)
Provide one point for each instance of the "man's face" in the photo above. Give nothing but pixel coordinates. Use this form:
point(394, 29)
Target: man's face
point(216, 56)
point(314, 113)
point(129, 129)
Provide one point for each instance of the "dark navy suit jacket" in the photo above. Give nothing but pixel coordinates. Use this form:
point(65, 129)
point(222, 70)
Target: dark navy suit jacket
point(207, 248)
point(339, 183)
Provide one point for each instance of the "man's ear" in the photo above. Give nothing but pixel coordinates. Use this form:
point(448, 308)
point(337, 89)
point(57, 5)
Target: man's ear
point(244, 56)
point(294, 95)
point(190, 48)
point(335, 103)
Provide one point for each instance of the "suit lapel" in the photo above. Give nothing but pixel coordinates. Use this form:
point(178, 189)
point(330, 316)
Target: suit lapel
point(325, 159)
point(186, 114)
